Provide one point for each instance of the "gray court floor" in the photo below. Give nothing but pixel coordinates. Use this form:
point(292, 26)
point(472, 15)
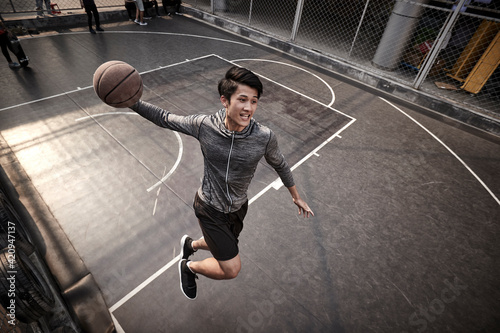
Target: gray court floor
point(405, 236)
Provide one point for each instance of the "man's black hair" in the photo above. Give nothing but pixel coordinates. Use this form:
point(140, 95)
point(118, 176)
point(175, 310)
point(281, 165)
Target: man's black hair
point(235, 76)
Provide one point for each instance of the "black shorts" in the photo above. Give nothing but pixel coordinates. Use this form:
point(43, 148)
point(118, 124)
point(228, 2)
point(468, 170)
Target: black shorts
point(220, 230)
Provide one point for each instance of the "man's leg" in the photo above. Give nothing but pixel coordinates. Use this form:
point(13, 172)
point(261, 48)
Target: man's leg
point(4, 43)
point(47, 5)
point(211, 268)
point(88, 10)
point(96, 18)
point(156, 8)
point(215, 269)
point(39, 9)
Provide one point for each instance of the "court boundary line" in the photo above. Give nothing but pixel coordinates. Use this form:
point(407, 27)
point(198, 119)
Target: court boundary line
point(447, 148)
point(273, 184)
point(296, 67)
point(177, 34)
point(177, 135)
point(78, 89)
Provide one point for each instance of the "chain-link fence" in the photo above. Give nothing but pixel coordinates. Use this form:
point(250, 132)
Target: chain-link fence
point(445, 48)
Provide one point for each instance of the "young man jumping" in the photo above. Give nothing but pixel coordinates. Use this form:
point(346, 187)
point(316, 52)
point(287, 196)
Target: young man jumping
point(232, 143)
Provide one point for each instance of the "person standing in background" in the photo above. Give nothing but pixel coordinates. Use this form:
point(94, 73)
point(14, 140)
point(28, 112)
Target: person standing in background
point(6, 46)
point(139, 13)
point(39, 7)
point(91, 8)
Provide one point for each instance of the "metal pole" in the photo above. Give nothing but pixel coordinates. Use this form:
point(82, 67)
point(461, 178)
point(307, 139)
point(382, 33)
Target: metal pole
point(296, 22)
point(436, 48)
point(250, 13)
point(359, 27)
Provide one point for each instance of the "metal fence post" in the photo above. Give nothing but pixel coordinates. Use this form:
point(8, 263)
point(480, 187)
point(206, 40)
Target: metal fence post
point(436, 48)
point(359, 27)
point(296, 21)
point(250, 12)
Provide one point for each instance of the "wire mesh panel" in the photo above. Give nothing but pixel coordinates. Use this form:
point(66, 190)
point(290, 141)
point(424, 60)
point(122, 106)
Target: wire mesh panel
point(346, 29)
point(432, 45)
point(466, 66)
point(236, 10)
point(273, 17)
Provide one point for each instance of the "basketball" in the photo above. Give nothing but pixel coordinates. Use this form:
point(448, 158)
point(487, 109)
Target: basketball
point(118, 84)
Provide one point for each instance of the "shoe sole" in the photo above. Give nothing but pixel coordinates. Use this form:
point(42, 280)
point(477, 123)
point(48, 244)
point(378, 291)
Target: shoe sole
point(183, 239)
point(180, 280)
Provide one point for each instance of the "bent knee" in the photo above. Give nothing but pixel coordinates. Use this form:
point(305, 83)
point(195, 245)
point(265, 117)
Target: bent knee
point(231, 268)
point(231, 273)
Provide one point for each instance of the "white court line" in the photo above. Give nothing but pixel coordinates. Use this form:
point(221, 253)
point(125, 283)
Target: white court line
point(290, 89)
point(91, 86)
point(118, 327)
point(112, 113)
point(177, 162)
point(253, 199)
point(296, 67)
point(278, 183)
point(448, 148)
point(44, 99)
point(177, 135)
point(144, 284)
point(146, 32)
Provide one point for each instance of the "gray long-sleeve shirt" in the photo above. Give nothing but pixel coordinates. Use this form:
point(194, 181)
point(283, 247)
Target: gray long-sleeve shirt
point(230, 158)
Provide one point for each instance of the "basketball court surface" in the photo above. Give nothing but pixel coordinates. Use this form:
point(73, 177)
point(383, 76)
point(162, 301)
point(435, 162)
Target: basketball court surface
point(405, 236)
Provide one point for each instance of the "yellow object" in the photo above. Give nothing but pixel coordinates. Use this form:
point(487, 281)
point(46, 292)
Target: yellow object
point(484, 68)
point(474, 50)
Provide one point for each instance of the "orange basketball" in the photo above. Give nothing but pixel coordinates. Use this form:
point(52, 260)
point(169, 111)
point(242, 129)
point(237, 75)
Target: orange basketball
point(118, 84)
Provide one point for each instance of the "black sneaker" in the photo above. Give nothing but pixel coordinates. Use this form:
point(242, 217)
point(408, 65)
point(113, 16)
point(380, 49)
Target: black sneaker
point(188, 280)
point(186, 247)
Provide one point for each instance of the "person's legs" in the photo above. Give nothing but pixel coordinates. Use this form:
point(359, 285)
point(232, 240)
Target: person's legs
point(5, 45)
point(139, 16)
point(89, 19)
point(47, 6)
point(88, 11)
point(39, 9)
point(220, 237)
point(215, 269)
point(96, 18)
point(156, 7)
point(211, 267)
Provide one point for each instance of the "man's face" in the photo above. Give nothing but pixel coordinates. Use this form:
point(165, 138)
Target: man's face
point(241, 108)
